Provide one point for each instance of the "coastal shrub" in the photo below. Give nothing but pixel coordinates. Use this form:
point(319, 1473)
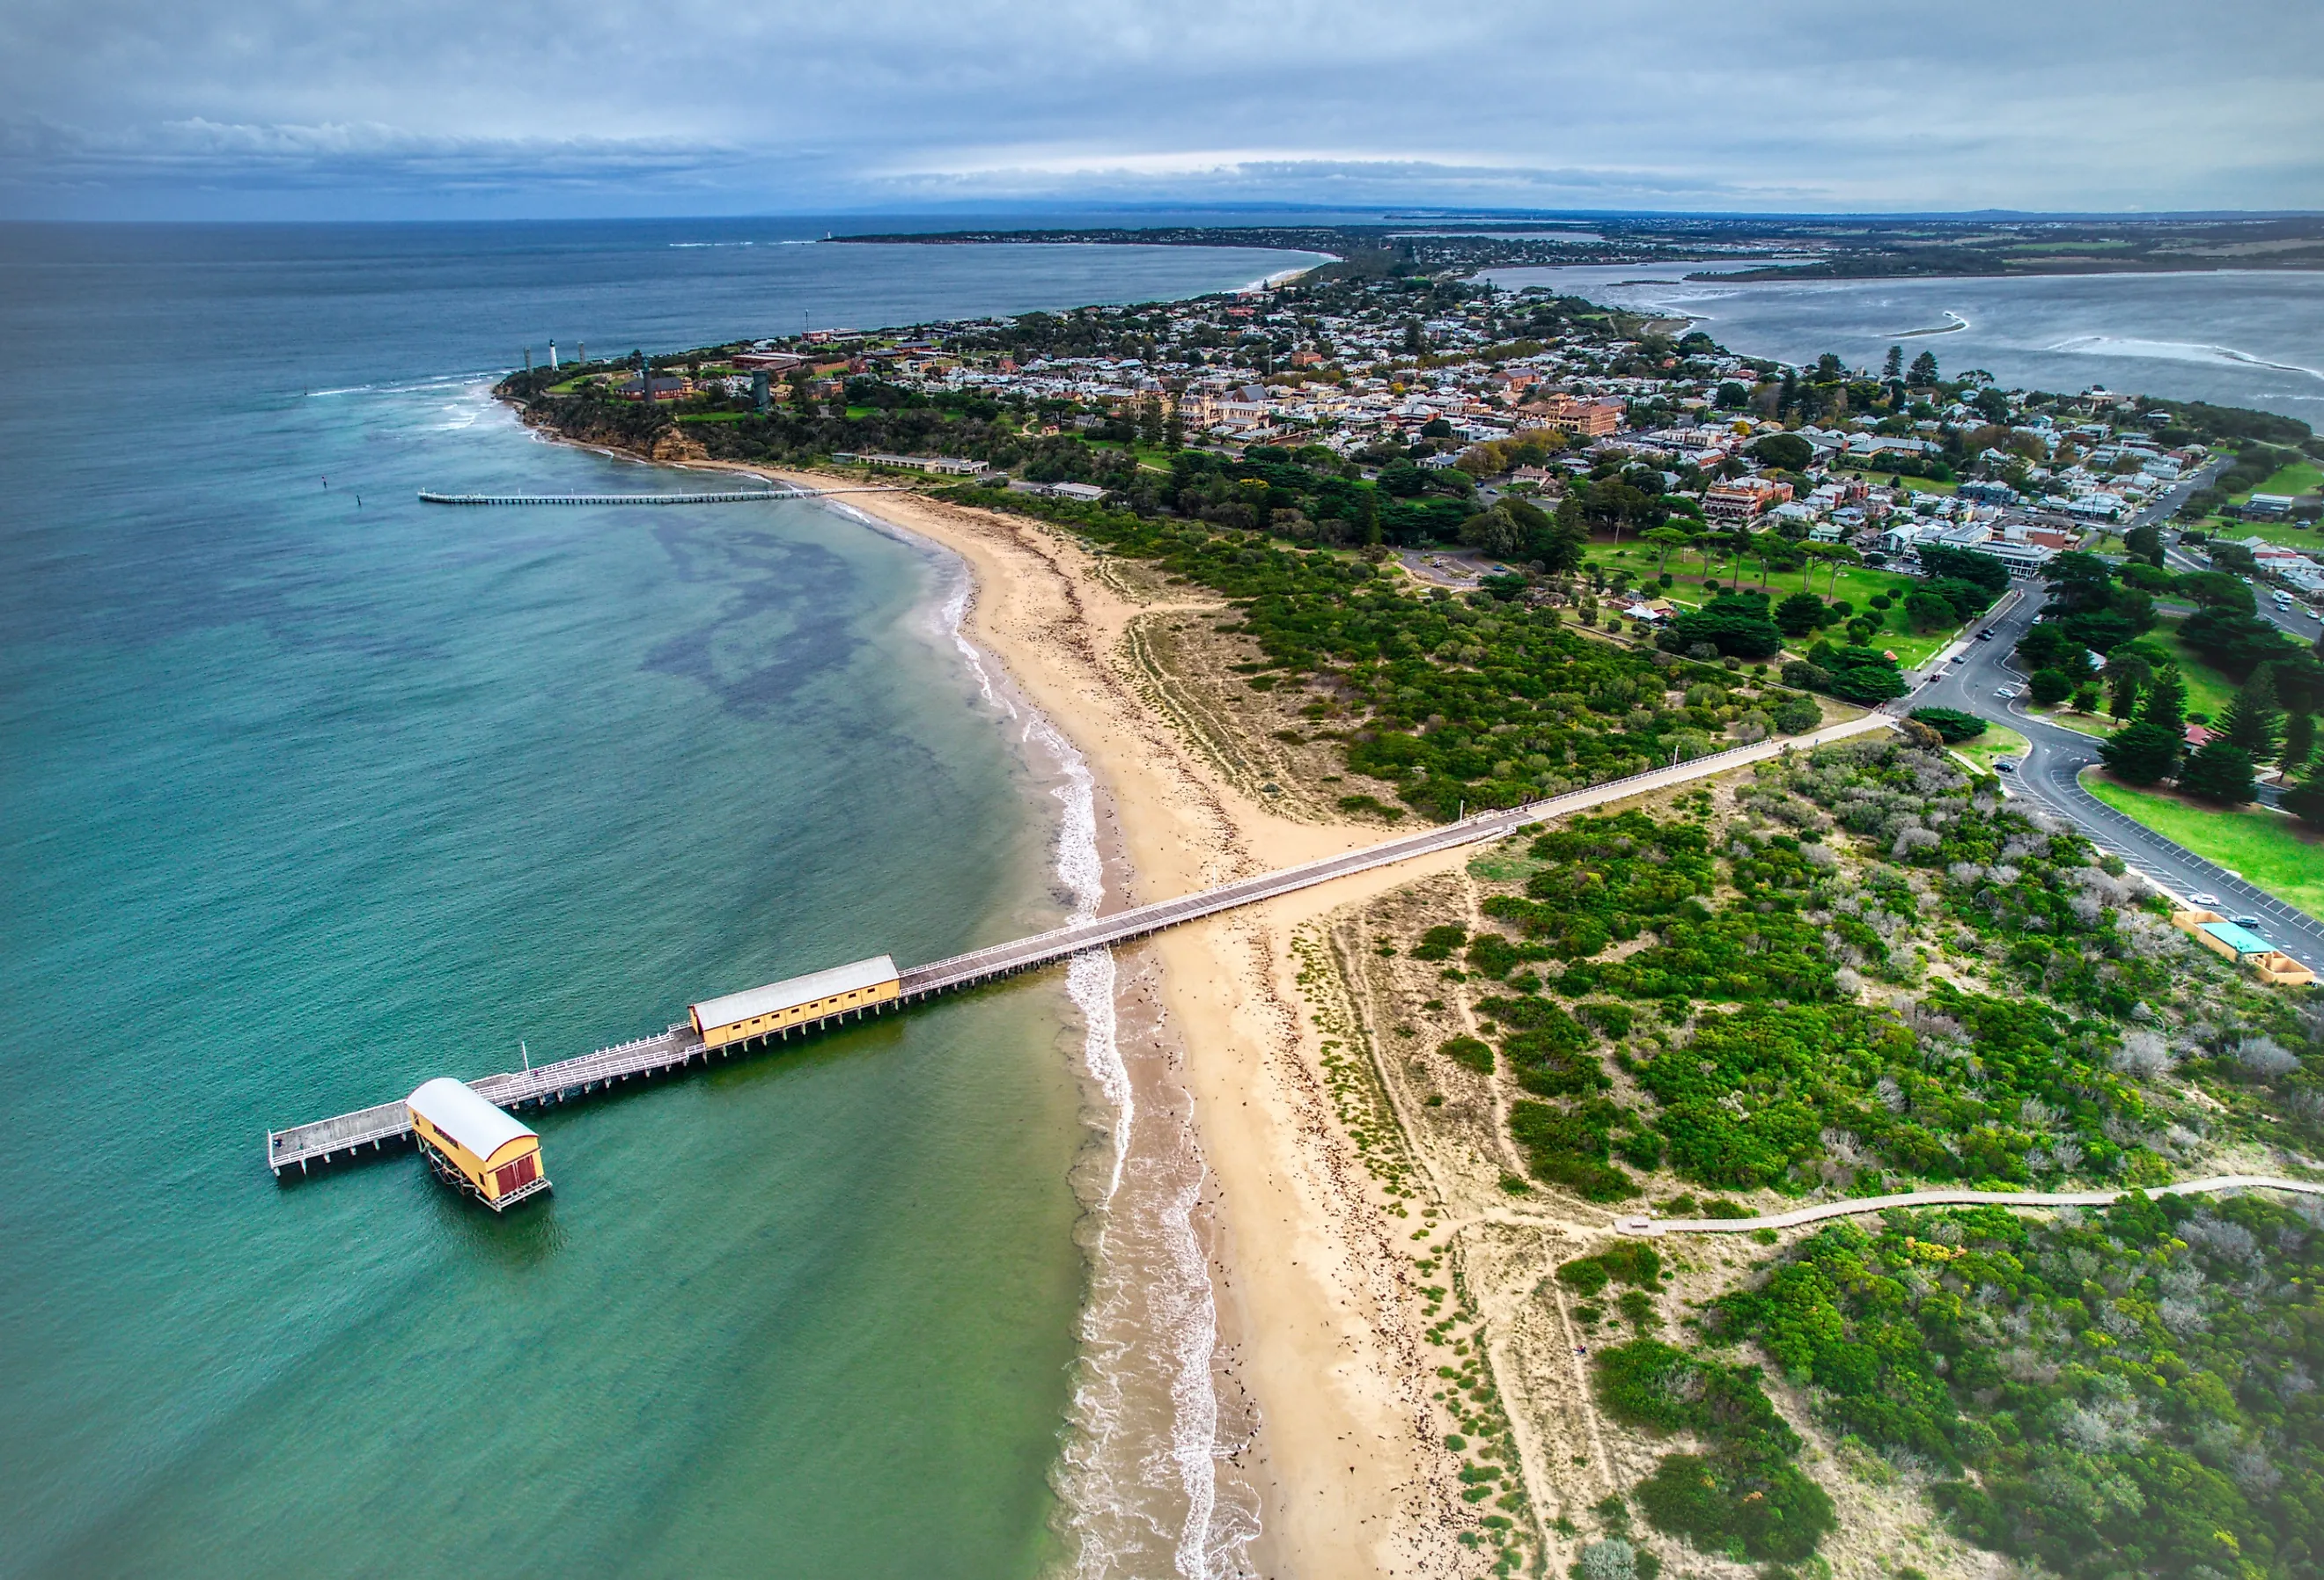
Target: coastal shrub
point(1453, 704)
point(1744, 1496)
point(1569, 1145)
point(1470, 1051)
point(1493, 956)
point(1951, 722)
point(2125, 1391)
point(1614, 1019)
point(1625, 1261)
point(1439, 942)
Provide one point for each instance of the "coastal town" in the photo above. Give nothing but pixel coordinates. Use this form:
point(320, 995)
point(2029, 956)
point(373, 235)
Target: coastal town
point(1350, 552)
point(1631, 471)
point(1520, 393)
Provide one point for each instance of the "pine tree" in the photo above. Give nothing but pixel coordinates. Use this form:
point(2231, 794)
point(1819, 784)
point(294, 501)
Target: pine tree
point(2141, 752)
point(1368, 520)
point(2219, 772)
point(2305, 800)
point(2164, 704)
point(1924, 370)
point(2299, 743)
point(1894, 368)
point(2253, 724)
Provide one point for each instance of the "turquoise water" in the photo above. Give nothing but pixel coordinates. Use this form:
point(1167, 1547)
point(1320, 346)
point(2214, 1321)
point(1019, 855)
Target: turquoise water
point(308, 800)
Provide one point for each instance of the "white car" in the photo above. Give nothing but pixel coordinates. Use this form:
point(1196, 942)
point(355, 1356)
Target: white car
point(2006, 693)
point(2201, 898)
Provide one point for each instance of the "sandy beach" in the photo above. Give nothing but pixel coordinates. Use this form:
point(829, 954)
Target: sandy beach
point(1312, 1283)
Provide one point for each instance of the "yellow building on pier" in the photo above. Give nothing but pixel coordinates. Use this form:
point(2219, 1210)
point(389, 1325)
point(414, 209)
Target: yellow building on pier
point(474, 1145)
point(797, 1001)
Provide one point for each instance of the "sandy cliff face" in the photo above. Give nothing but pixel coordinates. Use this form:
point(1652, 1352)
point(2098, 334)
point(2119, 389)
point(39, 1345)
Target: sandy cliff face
point(648, 435)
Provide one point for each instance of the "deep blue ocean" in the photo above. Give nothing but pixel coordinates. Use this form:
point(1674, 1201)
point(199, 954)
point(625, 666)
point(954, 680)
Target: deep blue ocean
point(312, 792)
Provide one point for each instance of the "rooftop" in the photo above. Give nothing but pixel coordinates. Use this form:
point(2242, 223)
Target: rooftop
point(796, 990)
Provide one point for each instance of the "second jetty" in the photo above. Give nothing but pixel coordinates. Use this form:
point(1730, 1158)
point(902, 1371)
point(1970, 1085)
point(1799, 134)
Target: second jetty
point(744, 497)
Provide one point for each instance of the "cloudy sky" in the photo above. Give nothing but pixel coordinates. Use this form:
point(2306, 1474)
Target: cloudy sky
point(473, 108)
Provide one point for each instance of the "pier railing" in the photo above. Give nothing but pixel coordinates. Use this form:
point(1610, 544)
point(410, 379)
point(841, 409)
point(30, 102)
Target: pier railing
point(386, 1124)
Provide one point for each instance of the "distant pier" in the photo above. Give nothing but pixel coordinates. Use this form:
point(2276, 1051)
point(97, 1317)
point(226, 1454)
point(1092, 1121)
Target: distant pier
point(750, 497)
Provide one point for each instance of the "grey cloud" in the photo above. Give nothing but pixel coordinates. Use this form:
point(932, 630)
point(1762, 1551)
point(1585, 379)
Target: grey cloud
point(1781, 103)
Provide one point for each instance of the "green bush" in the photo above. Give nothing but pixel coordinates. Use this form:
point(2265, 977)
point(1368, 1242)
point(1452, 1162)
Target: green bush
point(1746, 1492)
point(1439, 942)
point(1570, 1145)
point(1475, 1054)
point(2133, 1388)
point(1953, 725)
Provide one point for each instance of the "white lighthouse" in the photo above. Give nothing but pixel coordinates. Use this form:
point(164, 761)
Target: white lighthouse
point(552, 357)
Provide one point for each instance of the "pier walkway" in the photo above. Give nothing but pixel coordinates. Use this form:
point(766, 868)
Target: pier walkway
point(745, 496)
point(375, 1129)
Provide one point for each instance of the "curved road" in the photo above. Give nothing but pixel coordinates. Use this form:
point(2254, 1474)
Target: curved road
point(2051, 776)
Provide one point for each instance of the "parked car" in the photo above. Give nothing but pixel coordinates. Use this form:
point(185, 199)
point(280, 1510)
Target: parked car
point(2005, 765)
point(2203, 898)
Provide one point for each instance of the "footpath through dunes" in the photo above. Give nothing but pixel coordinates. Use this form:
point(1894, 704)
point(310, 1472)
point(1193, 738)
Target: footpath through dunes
point(1643, 1223)
point(376, 1128)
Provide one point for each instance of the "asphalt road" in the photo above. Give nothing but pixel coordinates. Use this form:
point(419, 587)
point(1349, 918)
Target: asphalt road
point(2051, 775)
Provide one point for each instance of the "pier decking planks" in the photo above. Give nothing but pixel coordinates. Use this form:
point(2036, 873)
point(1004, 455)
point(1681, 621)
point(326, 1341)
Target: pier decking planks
point(326, 1139)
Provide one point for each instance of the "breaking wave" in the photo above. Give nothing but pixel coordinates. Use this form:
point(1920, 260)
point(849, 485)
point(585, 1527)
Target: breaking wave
point(1138, 1478)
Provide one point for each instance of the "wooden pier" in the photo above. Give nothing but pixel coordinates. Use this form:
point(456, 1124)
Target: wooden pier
point(744, 496)
point(369, 1130)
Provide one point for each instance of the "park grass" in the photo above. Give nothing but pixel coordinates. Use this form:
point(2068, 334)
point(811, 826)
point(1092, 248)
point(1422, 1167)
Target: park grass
point(2099, 725)
point(1912, 485)
point(2308, 539)
point(2266, 848)
point(2208, 691)
point(2299, 477)
point(1998, 740)
point(1856, 586)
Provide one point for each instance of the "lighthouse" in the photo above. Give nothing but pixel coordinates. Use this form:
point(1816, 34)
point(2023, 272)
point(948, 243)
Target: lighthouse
point(552, 357)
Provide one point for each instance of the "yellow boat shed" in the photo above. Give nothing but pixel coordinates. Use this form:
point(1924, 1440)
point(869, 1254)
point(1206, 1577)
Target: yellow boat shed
point(799, 1001)
point(476, 1146)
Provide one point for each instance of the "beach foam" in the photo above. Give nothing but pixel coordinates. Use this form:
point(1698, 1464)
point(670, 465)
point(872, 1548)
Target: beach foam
point(1139, 1475)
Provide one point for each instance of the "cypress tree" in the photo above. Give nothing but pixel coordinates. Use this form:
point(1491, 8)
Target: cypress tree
point(2253, 723)
point(2299, 741)
point(2164, 706)
point(2219, 772)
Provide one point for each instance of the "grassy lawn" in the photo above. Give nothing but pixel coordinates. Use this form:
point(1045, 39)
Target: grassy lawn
point(1998, 740)
point(2299, 477)
point(2269, 849)
point(2086, 724)
point(1912, 485)
point(2306, 540)
point(2208, 692)
point(1856, 585)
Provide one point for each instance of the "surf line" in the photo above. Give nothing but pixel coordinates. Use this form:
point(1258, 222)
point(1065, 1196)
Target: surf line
point(1958, 324)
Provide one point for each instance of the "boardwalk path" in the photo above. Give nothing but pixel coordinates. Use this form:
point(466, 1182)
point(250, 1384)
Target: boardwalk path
point(382, 1124)
point(1642, 1224)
